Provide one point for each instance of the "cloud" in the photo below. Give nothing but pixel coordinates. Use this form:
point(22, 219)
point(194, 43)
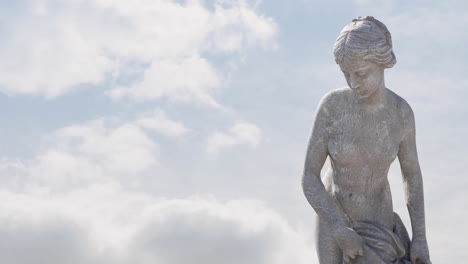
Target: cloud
point(239, 27)
point(240, 133)
point(53, 241)
point(157, 121)
point(74, 207)
point(189, 80)
point(81, 152)
point(143, 50)
point(211, 232)
point(105, 224)
point(97, 151)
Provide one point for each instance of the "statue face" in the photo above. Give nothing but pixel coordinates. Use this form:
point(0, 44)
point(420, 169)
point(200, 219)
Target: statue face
point(364, 77)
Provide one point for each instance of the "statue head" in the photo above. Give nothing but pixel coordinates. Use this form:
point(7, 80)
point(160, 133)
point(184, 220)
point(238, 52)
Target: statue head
point(363, 50)
point(365, 38)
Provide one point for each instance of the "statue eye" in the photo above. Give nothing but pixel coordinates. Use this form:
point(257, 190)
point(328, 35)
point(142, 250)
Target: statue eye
point(361, 74)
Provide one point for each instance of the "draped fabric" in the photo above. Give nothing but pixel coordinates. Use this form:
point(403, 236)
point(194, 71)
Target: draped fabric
point(383, 246)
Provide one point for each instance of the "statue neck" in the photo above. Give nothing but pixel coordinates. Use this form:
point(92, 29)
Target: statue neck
point(376, 100)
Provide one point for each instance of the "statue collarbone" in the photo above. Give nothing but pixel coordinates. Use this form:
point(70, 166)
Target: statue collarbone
point(357, 135)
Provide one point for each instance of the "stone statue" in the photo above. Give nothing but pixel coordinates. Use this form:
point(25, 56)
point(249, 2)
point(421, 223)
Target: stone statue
point(362, 129)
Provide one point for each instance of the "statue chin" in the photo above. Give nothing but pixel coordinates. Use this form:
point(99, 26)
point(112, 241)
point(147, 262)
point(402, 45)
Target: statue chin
point(362, 94)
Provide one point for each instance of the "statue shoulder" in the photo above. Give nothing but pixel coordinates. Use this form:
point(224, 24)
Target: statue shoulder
point(335, 99)
point(329, 107)
point(402, 107)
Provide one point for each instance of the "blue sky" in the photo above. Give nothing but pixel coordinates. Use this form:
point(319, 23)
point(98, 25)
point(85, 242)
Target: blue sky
point(160, 131)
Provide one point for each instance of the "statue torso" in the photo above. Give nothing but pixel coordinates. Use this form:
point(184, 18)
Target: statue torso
point(362, 144)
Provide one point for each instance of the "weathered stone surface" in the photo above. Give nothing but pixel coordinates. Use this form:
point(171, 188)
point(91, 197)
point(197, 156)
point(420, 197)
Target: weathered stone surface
point(362, 129)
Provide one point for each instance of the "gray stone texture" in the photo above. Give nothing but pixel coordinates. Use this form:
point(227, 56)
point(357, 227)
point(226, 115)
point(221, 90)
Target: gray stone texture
point(362, 129)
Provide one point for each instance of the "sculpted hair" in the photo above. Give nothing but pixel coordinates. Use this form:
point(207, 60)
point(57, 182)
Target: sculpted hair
point(365, 38)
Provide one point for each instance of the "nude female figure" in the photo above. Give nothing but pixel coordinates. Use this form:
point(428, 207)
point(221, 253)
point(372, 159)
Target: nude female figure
point(362, 129)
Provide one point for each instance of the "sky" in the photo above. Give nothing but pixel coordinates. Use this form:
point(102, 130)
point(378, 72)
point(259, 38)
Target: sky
point(174, 131)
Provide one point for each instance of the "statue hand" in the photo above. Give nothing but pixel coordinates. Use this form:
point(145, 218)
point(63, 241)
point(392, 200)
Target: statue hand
point(350, 243)
point(419, 252)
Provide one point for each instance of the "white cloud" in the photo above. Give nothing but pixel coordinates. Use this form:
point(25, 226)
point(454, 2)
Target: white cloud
point(55, 47)
point(13, 173)
point(190, 80)
point(236, 28)
point(122, 148)
point(105, 224)
point(158, 121)
point(240, 133)
point(98, 151)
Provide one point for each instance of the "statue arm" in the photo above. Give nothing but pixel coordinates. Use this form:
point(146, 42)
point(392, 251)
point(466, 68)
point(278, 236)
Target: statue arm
point(312, 185)
point(414, 194)
point(412, 178)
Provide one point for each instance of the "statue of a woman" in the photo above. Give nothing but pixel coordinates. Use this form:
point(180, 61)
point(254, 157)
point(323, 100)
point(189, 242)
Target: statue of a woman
point(363, 129)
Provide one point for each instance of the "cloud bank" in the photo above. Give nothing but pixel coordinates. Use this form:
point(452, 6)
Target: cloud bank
point(106, 224)
point(143, 50)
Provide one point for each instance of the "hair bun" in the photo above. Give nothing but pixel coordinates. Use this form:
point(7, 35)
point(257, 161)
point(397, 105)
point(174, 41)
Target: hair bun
point(379, 24)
